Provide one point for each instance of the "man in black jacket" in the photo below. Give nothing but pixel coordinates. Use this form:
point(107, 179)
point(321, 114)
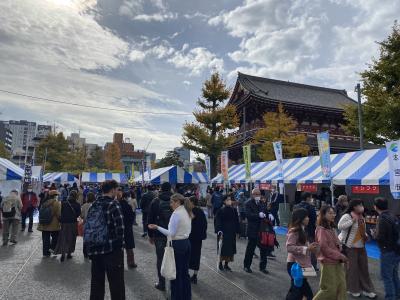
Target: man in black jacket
point(254, 216)
point(386, 236)
point(159, 213)
point(145, 206)
point(306, 203)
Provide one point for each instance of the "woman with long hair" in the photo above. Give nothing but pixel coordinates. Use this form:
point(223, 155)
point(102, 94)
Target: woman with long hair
point(332, 283)
point(129, 218)
point(299, 251)
point(179, 228)
point(197, 235)
point(70, 211)
point(353, 237)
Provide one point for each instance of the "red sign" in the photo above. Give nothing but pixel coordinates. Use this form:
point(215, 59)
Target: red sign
point(309, 187)
point(265, 186)
point(365, 189)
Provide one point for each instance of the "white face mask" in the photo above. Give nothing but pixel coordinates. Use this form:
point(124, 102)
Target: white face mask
point(258, 198)
point(29, 190)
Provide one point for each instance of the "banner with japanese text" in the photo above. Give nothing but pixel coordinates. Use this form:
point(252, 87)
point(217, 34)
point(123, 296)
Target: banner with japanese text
point(279, 156)
point(224, 164)
point(208, 167)
point(247, 161)
point(393, 151)
point(324, 154)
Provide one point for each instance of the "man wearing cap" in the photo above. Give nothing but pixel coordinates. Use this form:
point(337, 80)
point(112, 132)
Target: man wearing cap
point(159, 213)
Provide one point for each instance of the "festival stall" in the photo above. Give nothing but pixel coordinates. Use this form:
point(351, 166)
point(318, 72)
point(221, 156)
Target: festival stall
point(10, 176)
point(202, 179)
point(60, 177)
point(171, 174)
point(90, 177)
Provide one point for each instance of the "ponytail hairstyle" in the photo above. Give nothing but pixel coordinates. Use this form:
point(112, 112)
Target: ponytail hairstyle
point(187, 204)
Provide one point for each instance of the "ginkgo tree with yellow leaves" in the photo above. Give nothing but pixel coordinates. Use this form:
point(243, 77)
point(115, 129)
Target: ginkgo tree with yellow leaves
point(279, 126)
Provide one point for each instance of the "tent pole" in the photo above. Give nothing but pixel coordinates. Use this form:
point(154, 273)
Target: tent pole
point(332, 195)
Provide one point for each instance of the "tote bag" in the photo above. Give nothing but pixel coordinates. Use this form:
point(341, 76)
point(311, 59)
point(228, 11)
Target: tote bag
point(168, 267)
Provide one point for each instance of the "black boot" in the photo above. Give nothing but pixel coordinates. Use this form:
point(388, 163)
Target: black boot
point(226, 267)
point(193, 279)
point(220, 266)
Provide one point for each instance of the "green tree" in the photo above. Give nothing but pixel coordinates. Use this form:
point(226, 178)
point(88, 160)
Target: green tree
point(57, 152)
point(381, 89)
point(3, 151)
point(209, 134)
point(171, 158)
point(96, 159)
point(77, 160)
point(277, 128)
point(112, 157)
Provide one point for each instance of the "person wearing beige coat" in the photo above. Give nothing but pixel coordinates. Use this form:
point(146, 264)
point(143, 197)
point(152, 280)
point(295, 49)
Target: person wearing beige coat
point(50, 231)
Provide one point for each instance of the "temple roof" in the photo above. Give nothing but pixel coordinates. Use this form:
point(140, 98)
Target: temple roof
point(285, 91)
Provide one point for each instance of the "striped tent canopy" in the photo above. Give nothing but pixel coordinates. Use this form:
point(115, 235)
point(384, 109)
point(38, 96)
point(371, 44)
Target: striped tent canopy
point(201, 177)
point(171, 174)
point(60, 177)
point(101, 177)
point(10, 171)
point(369, 167)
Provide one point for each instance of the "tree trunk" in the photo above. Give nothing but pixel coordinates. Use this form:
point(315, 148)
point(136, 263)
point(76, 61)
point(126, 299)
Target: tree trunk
point(213, 165)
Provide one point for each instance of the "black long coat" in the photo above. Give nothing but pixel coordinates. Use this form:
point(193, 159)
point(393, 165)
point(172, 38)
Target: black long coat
point(253, 218)
point(197, 235)
point(227, 221)
point(129, 218)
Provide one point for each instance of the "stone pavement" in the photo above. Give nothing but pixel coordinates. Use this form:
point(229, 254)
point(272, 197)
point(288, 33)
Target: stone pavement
point(24, 274)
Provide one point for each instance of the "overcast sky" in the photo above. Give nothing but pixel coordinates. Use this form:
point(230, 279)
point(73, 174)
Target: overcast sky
point(153, 55)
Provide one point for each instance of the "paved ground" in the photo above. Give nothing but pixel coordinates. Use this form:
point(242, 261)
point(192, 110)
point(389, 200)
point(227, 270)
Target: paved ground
point(24, 274)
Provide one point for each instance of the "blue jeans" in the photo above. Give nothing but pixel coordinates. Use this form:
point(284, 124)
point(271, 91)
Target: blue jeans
point(390, 274)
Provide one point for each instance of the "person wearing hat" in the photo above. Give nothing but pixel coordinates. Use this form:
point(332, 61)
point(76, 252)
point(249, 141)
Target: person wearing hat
point(50, 230)
point(159, 213)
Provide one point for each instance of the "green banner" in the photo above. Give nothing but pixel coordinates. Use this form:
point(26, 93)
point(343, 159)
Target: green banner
point(247, 161)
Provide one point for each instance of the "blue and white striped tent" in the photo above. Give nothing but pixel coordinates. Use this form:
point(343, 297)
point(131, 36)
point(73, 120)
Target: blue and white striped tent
point(352, 168)
point(101, 177)
point(60, 177)
point(201, 177)
point(171, 174)
point(10, 171)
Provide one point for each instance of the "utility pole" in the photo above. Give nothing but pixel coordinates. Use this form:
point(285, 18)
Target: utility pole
point(360, 121)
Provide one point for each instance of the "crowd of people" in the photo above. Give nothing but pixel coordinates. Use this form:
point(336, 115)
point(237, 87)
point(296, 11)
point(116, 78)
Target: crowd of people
point(330, 242)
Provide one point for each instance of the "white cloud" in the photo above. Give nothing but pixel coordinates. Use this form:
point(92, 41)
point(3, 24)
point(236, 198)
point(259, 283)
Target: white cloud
point(157, 17)
point(149, 82)
point(197, 60)
point(46, 50)
point(137, 55)
point(187, 82)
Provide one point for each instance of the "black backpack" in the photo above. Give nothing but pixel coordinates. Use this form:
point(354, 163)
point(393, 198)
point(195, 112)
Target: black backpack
point(164, 213)
point(395, 221)
point(45, 215)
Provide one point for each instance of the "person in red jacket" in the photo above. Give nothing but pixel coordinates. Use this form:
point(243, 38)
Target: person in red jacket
point(29, 204)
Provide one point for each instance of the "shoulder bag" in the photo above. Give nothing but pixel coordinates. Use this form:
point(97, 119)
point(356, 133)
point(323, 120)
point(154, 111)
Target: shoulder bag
point(168, 267)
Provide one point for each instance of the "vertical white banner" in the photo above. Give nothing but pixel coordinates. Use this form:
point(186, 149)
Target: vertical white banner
point(148, 166)
point(279, 156)
point(208, 167)
point(393, 151)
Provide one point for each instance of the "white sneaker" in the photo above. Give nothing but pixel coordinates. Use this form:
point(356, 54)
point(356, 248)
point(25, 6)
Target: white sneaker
point(369, 295)
point(355, 295)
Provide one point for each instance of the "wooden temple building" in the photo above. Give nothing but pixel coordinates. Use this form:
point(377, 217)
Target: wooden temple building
point(315, 109)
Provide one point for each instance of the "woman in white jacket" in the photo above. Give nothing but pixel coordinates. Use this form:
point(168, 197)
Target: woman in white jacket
point(179, 228)
point(353, 237)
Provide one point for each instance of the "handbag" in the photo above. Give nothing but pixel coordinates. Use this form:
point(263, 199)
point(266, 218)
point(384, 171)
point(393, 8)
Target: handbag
point(344, 245)
point(309, 272)
point(80, 227)
point(168, 267)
